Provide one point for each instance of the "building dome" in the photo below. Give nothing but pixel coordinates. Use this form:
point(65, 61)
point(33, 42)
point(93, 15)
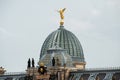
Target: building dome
point(66, 40)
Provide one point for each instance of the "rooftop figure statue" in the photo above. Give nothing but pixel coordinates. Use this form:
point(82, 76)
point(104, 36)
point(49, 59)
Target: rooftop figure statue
point(33, 63)
point(53, 61)
point(29, 63)
point(61, 11)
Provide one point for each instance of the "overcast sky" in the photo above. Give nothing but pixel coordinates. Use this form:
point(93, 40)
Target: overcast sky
point(25, 24)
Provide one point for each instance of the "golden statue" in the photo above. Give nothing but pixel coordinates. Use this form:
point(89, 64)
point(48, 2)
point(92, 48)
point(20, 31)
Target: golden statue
point(61, 11)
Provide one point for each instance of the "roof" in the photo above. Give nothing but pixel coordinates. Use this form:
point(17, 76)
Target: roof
point(66, 40)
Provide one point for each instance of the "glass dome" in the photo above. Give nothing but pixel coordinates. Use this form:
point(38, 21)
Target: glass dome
point(66, 40)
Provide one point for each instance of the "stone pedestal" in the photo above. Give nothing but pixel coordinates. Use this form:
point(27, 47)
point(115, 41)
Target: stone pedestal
point(32, 71)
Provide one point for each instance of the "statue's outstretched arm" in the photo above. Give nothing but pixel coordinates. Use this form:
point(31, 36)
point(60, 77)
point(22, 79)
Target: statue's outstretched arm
point(63, 9)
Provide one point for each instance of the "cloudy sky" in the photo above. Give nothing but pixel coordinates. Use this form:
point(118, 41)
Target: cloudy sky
point(25, 24)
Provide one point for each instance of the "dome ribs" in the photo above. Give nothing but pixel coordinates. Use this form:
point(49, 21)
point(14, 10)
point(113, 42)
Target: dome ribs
point(66, 43)
point(66, 40)
point(70, 44)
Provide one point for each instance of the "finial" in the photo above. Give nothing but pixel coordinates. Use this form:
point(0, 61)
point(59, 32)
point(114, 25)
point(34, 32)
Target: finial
point(61, 11)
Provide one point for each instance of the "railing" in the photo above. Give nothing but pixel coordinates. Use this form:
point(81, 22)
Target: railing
point(107, 68)
point(14, 73)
